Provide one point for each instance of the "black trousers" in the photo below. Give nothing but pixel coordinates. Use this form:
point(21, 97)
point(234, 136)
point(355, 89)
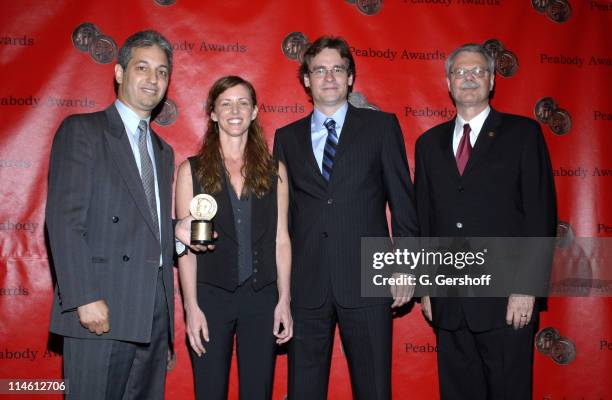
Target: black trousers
point(490, 365)
point(249, 316)
point(113, 369)
point(366, 338)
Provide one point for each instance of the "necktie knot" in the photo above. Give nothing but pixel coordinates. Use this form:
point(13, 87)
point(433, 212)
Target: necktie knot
point(142, 128)
point(330, 124)
point(466, 129)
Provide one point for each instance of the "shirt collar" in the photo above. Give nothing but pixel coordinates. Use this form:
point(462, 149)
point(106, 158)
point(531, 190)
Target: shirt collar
point(318, 118)
point(129, 117)
point(476, 123)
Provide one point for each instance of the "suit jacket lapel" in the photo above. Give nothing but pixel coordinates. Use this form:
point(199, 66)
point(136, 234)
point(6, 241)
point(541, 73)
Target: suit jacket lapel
point(350, 131)
point(488, 134)
point(446, 146)
point(121, 151)
point(304, 139)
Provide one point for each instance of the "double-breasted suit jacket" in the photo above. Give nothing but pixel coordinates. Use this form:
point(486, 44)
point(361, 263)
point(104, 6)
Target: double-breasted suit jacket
point(103, 241)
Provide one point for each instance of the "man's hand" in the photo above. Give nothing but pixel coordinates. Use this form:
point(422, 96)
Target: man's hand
point(182, 231)
point(426, 307)
point(282, 315)
point(519, 310)
point(401, 293)
point(94, 317)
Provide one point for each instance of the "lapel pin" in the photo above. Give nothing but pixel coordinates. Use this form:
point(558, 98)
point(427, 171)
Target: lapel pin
point(491, 134)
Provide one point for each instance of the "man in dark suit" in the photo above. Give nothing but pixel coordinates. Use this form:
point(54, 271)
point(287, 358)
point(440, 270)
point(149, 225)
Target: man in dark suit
point(345, 165)
point(483, 173)
point(110, 230)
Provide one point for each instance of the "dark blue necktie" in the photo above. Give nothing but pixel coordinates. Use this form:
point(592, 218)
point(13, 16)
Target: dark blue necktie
point(330, 148)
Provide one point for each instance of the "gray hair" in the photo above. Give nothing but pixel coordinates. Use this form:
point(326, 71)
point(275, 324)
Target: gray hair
point(144, 39)
point(471, 48)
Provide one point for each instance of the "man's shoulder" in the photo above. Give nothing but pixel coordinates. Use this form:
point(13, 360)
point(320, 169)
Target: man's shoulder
point(369, 114)
point(517, 120)
point(435, 132)
point(294, 126)
point(86, 120)
point(522, 129)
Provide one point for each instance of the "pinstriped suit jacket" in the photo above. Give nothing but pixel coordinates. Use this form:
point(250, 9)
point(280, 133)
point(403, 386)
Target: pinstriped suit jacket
point(101, 234)
point(328, 219)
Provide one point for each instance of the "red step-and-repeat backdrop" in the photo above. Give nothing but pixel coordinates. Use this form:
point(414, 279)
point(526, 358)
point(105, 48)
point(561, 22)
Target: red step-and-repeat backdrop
point(554, 60)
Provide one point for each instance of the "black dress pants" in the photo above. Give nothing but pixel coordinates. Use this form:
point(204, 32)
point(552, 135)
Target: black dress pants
point(247, 315)
point(366, 338)
point(491, 365)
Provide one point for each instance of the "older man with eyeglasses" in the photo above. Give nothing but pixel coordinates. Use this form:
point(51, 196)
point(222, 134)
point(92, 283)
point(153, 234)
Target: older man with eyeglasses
point(483, 173)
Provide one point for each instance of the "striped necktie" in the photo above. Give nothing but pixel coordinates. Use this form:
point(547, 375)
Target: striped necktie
point(146, 173)
point(330, 148)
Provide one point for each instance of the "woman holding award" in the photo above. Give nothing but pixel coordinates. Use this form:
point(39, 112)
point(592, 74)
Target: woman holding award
point(241, 288)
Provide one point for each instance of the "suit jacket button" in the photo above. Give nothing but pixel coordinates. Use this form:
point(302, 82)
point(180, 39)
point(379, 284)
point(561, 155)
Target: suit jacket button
point(254, 280)
point(330, 201)
point(459, 225)
point(255, 253)
point(115, 219)
point(460, 189)
point(255, 261)
point(324, 235)
point(254, 270)
point(126, 258)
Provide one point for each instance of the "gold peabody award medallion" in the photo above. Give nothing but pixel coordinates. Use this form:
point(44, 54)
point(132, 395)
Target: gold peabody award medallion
point(203, 208)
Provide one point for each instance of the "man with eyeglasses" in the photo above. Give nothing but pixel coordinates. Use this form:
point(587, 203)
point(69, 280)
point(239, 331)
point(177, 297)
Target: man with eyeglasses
point(345, 165)
point(488, 174)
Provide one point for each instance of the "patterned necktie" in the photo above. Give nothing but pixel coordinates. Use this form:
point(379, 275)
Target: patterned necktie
point(146, 173)
point(464, 150)
point(330, 148)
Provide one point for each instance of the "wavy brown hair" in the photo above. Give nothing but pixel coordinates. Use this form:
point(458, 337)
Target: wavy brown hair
point(258, 168)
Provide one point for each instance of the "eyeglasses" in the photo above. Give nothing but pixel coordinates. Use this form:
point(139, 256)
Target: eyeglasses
point(336, 71)
point(477, 72)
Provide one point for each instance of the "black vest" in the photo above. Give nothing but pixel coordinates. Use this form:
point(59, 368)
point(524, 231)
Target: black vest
point(220, 266)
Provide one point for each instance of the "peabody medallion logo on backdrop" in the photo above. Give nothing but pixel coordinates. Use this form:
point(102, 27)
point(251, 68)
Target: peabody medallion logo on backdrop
point(168, 113)
point(87, 37)
point(294, 45)
point(506, 62)
point(547, 112)
point(556, 10)
point(560, 349)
